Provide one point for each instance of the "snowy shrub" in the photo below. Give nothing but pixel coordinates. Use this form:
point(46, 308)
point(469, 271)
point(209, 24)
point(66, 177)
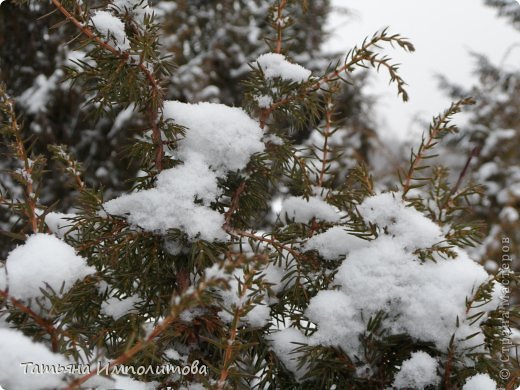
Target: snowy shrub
point(240, 259)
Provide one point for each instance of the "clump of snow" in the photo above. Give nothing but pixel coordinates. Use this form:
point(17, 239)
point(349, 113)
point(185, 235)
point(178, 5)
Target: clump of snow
point(334, 243)
point(275, 65)
point(422, 299)
point(302, 210)
point(59, 223)
point(335, 315)
point(112, 28)
point(480, 382)
point(274, 274)
point(223, 137)
point(18, 349)
point(116, 308)
point(283, 343)
point(405, 225)
point(219, 139)
point(43, 260)
point(417, 372)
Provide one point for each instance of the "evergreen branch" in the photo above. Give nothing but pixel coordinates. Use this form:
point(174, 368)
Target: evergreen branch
point(42, 322)
point(279, 22)
point(181, 303)
point(28, 165)
point(355, 57)
point(235, 203)
point(326, 135)
point(237, 314)
point(156, 91)
point(437, 130)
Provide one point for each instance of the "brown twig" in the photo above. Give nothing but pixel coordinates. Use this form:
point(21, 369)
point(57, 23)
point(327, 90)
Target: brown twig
point(474, 153)
point(279, 25)
point(228, 353)
point(44, 323)
point(21, 152)
point(124, 56)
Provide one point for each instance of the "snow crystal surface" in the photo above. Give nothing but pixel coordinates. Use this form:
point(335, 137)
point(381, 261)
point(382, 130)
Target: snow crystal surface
point(406, 226)
point(111, 27)
point(276, 65)
point(417, 372)
point(302, 210)
point(17, 349)
point(480, 382)
point(283, 344)
point(218, 139)
point(43, 260)
point(334, 243)
point(335, 315)
point(223, 137)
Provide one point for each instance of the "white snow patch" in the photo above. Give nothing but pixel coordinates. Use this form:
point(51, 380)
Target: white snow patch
point(480, 382)
point(219, 139)
point(302, 210)
point(283, 344)
point(276, 65)
point(334, 243)
point(116, 308)
point(17, 349)
point(417, 372)
point(43, 260)
point(112, 29)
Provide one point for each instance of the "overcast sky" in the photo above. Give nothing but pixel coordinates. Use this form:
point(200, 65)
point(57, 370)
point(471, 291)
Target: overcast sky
point(444, 33)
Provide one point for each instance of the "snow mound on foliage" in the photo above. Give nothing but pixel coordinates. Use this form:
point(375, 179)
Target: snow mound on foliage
point(334, 243)
point(218, 139)
point(111, 27)
point(283, 343)
point(275, 65)
point(417, 372)
point(480, 382)
point(43, 260)
point(223, 137)
point(422, 299)
point(303, 210)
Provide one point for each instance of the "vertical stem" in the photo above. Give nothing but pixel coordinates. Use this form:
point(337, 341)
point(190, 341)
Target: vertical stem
point(280, 26)
point(30, 198)
point(326, 135)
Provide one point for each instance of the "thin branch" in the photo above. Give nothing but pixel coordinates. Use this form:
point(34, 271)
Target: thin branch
point(44, 323)
point(326, 135)
point(474, 153)
point(357, 56)
point(280, 24)
point(124, 56)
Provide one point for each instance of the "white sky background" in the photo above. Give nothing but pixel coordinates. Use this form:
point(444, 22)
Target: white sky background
point(444, 33)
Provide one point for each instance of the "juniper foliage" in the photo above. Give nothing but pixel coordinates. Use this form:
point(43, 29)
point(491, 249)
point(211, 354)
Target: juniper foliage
point(248, 305)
